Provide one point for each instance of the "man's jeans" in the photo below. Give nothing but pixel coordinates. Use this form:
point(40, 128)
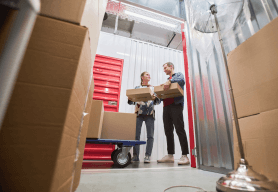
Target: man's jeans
point(173, 116)
point(149, 121)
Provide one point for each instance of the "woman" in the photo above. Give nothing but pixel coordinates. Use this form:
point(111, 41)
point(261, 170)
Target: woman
point(145, 112)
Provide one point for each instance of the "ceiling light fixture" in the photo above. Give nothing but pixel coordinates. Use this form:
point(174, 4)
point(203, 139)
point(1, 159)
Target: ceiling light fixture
point(150, 19)
point(152, 12)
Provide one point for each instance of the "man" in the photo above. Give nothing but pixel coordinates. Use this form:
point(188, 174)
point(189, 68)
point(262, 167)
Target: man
point(173, 116)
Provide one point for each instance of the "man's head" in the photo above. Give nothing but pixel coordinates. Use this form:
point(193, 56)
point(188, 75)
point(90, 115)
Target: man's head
point(168, 68)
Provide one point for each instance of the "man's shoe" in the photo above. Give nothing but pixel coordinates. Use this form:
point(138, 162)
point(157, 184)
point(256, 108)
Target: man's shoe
point(166, 159)
point(184, 160)
point(135, 158)
point(147, 159)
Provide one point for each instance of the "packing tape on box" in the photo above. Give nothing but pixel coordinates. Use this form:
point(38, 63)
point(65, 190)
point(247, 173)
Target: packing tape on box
point(80, 130)
point(77, 155)
point(77, 150)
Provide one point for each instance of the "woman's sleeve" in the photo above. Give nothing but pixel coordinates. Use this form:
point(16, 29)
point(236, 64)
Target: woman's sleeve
point(130, 102)
point(157, 101)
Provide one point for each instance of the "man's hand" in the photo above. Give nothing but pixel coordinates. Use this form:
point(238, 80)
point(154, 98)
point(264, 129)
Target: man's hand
point(167, 85)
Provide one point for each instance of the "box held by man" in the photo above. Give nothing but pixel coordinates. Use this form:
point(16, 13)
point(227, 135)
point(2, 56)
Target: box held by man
point(174, 91)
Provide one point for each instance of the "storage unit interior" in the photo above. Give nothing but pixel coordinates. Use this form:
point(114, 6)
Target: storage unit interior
point(134, 36)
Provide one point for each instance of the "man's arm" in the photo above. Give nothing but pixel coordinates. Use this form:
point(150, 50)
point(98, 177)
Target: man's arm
point(166, 85)
point(178, 78)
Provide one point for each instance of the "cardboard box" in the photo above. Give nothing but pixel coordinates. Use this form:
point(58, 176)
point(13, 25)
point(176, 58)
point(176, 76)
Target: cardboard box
point(83, 138)
point(96, 119)
point(66, 10)
point(38, 138)
point(120, 126)
point(254, 72)
point(74, 11)
point(174, 91)
point(142, 94)
point(259, 134)
point(102, 4)
point(88, 13)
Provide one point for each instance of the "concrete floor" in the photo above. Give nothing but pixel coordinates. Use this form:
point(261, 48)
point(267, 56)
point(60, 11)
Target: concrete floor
point(140, 177)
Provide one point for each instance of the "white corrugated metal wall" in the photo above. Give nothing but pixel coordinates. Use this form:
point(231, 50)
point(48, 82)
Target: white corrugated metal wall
point(138, 57)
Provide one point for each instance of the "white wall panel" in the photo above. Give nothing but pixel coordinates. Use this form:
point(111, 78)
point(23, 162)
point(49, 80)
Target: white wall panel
point(139, 57)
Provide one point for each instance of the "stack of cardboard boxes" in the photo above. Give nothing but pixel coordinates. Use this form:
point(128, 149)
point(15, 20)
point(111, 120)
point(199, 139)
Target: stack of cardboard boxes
point(122, 126)
point(44, 131)
point(111, 125)
point(253, 67)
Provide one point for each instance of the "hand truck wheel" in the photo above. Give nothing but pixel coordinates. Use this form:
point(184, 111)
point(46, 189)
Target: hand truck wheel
point(112, 154)
point(120, 160)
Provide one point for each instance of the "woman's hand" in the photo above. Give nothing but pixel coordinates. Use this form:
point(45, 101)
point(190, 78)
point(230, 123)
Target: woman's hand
point(153, 96)
point(140, 103)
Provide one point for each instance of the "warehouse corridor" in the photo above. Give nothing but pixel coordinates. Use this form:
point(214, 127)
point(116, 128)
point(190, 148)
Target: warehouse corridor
point(151, 177)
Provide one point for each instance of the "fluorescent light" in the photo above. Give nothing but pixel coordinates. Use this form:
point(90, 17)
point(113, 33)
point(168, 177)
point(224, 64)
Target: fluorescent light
point(152, 12)
point(122, 54)
point(150, 19)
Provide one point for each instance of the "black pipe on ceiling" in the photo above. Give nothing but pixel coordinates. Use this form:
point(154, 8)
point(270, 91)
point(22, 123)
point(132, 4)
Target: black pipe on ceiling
point(171, 39)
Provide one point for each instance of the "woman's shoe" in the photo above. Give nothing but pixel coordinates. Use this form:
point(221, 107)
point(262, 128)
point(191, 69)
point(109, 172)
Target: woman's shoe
point(147, 159)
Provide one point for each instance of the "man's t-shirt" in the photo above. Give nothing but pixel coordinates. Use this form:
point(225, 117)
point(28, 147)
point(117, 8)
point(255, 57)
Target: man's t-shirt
point(168, 101)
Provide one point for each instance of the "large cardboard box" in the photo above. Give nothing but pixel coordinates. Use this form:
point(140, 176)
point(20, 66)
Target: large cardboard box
point(39, 136)
point(142, 94)
point(174, 91)
point(88, 13)
point(74, 11)
point(83, 135)
point(259, 134)
point(96, 119)
point(67, 10)
point(254, 72)
point(121, 126)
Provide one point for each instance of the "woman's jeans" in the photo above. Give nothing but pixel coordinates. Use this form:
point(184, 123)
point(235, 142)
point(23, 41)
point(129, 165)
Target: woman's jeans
point(149, 121)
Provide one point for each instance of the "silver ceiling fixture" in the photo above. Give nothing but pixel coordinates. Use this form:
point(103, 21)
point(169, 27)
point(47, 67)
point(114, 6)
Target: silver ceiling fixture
point(130, 12)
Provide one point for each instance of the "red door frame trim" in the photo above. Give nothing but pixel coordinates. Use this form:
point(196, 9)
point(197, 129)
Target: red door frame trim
point(189, 100)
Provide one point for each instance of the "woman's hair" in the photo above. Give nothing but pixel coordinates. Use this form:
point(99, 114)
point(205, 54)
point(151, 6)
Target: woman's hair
point(142, 74)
